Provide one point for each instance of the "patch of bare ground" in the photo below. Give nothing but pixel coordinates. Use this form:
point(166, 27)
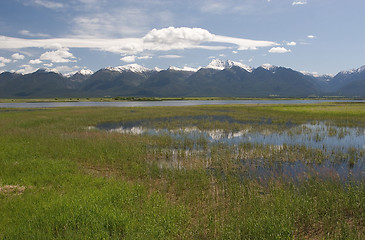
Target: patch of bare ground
point(12, 190)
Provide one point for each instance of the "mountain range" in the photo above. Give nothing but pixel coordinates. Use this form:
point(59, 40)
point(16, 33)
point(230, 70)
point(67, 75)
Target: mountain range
point(218, 79)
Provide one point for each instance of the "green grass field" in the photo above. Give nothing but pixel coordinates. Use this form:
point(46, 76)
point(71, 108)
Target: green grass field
point(61, 179)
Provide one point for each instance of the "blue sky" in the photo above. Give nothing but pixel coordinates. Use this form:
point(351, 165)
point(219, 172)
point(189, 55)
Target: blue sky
point(323, 36)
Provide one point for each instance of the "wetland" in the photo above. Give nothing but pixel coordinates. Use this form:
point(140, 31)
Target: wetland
point(288, 171)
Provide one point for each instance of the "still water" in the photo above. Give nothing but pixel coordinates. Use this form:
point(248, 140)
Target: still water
point(343, 148)
point(161, 103)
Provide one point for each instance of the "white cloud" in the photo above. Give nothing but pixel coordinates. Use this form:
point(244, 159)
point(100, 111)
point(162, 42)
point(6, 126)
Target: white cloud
point(145, 57)
point(165, 39)
point(25, 69)
point(2, 64)
point(311, 36)
point(235, 52)
point(243, 44)
point(170, 56)
point(5, 60)
point(176, 38)
point(291, 43)
point(314, 74)
point(48, 4)
point(35, 61)
point(48, 65)
point(17, 56)
point(29, 34)
point(129, 59)
point(299, 2)
point(279, 50)
point(58, 56)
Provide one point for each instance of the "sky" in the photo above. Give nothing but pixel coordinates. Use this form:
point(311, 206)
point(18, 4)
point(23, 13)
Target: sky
point(317, 36)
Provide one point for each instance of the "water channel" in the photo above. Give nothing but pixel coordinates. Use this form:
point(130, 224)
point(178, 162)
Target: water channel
point(161, 103)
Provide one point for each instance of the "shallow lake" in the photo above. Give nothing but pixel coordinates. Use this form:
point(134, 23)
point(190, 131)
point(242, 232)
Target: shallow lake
point(161, 103)
point(341, 149)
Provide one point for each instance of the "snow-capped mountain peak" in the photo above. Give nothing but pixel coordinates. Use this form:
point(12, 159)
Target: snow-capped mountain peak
point(317, 75)
point(157, 69)
point(129, 68)
point(268, 67)
point(355, 70)
point(84, 72)
point(216, 64)
point(185, 69)
point(230, 64)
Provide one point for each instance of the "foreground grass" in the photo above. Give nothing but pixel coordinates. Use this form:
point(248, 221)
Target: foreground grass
point(69, 182)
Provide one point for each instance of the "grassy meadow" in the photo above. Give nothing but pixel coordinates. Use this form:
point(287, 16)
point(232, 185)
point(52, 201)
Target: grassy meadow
point(61, 178)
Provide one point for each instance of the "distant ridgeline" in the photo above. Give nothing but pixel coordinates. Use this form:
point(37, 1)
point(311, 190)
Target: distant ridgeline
point(218, 79)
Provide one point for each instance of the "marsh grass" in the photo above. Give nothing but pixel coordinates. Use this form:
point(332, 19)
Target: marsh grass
point(82, 183)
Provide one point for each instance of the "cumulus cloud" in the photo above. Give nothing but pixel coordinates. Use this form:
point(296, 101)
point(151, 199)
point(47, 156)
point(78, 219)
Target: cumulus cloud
point(58, 56)
point(176, 38)
point(165, 39)
point(311, 36)
point(170, 56)
point(35, 61)
point(2, 64)
point(129, 59)
point(291, 43)
point(145, 57)
point(4, 60)
point(299, 2)
point(25, 69)
point(17, 56)
point(48, 65)
point(279, 50)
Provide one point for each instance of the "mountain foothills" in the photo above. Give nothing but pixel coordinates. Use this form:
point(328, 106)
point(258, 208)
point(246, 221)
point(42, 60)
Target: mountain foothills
point(218, 79)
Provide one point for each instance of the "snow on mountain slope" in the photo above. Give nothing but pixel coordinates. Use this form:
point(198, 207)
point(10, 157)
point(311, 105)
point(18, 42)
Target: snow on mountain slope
point(218, 64)
point(130, 67)
point(269, 67)
point(355, 70)
point(83, 72)
point(185, 69)
point(230, 64)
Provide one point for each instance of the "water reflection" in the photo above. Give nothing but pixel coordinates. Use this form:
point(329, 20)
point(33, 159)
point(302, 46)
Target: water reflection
point(311, 149)
point(319, 135)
